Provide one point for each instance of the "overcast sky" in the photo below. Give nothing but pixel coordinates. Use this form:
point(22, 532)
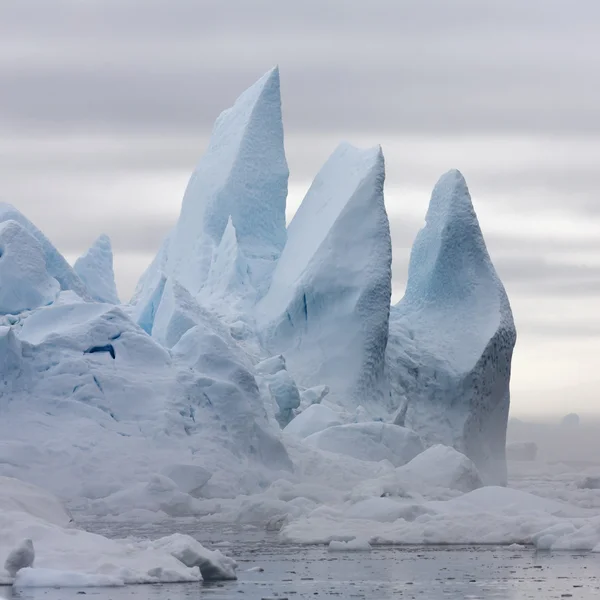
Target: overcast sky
point(106, 106)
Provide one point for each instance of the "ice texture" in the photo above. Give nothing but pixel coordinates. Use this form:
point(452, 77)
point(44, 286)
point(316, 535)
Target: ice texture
point(328, 305)
point(369, 441)
point(313, 419)
point(95, 268)
point(442, 466)
point(452, 336)
point(56, 265)
point(25, 283)
point(242, 181)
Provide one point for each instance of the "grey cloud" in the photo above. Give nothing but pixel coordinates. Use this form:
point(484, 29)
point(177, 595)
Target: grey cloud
point(379, 66)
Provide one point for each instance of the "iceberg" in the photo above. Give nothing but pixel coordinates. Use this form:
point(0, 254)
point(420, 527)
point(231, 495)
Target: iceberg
point(95, 268)
point(56, 265)
point(242, 181)
point(259, 374)
point(25, 283)
point(328, 304)
point(452, 336)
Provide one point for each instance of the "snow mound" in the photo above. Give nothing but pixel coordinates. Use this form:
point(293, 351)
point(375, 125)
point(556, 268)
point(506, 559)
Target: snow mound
point(369, 442)
point(56, 265)
point(241, 180)
point(328, 305)
point(313, 419)
point(442, 466)
point(95, 268)
point(452, 336)
point(24, 280)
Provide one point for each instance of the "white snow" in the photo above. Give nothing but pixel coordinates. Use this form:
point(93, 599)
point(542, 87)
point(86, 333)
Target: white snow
point(327, 308)
point(24, 280)
point(369, 441)
point(452, 336)
point(95, 268)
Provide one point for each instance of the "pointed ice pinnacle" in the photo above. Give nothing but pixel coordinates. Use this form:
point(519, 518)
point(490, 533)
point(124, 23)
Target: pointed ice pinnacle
point(25, 283)
point(57, 266)
point(243, 176)
point(95, 268)
point(328, 306)
point(452, 336)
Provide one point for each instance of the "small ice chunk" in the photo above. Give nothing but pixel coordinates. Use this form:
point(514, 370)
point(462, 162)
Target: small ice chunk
point(355, 545)
point(213, 564)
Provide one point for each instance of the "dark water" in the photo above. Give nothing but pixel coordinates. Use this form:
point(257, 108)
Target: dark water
point(390, 572)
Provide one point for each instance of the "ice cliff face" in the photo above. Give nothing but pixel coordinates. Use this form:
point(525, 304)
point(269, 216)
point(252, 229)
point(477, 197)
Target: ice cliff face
point(95, 268)
point(328, 305)
point(241, 181)
point(452, 336)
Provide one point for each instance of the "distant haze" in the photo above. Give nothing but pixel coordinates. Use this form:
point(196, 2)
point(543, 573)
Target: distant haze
point(106, 106)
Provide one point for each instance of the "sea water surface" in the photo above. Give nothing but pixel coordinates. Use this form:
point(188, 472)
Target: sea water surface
point(270, 569)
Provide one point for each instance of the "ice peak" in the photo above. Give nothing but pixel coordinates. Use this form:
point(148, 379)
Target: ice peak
point(243, 178)
point(56, 264)
point(450, 249)
point(95, 268)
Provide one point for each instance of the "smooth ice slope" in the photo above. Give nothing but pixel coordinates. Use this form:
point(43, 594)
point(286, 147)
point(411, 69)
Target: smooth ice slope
point(328, 305)
point(369, 441)
point(452, 336)
point(95, 268)
point(241, 179)
point(56, 265)
point(24, 281)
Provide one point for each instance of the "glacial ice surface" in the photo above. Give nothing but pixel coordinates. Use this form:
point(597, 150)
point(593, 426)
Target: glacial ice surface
point(452, 336)
point(95, 268)
point(56, 264)
point(328, 304)
point(25, 283)
point(240, 180)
